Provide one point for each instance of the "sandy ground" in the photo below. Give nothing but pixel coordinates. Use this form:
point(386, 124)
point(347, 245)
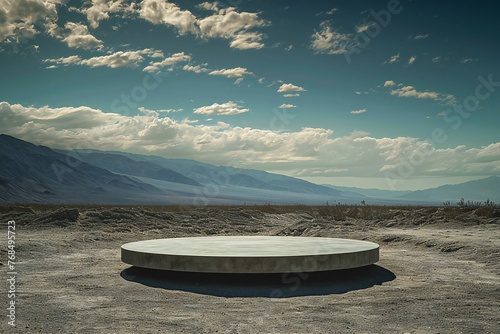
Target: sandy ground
point(439, 272)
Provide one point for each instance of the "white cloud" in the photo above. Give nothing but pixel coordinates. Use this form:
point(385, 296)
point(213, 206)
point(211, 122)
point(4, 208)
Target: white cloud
point(421, 36)
point(234, 26)
point(246, 41)
point(306, 151)
point(237, 72)
point(389, 83)
point(436, 59)
point(75, 35)
point(393, 59)
point(411, 60)
point(224, 23)
point(118, 59)
point(196, 69)
point(365, 26)
point(114, 60)
point(228, 108)
point(291, 95)
point(167, 62)
point(99, 10)
point(410, 91)
point(155, 53)
point(287, 106)
point(330, 42)
point(158, 111)
point(286, 88)
point(163, 12)
point(213, 6)
point(23, 19)
point(71, 60)
point(360, 111)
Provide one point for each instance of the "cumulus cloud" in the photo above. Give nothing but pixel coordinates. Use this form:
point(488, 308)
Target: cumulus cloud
point(196, 69)
point(287, 106)
point(291, 95)
point(71, 60)
point(114, 60)
point(213, 6)
point(167, 62)
point(75, 35)
point(226, 23)
point(237, 27)
point(410, 91)
point(99, 10)
point(168, 13)
point(237, 72)
point(308, 151)
point(389, 83)
point(228, 108)
point(129, 59)
point(329, 41)
point(23, 19)
point(360, 111)
point(158, 111)
point(118, 59)
point(286, 88)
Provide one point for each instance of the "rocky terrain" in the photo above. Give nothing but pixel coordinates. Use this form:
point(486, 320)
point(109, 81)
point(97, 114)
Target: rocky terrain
point(438, 272)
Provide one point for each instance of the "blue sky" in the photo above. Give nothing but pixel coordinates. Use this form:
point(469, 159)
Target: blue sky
point(388, 94)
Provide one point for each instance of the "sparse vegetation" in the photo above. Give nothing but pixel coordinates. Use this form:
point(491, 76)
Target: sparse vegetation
point(487, 209)
point(463, 211)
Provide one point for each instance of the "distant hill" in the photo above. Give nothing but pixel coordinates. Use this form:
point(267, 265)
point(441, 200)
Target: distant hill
point(36, 174)
point(477, 190)
point(204, 173)
point(120, 164)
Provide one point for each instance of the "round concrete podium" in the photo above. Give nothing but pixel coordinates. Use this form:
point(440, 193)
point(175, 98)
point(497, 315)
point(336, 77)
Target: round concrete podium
point(250, 254)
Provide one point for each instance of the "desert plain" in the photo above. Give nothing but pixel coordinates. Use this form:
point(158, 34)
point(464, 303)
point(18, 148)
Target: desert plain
point(439, 272)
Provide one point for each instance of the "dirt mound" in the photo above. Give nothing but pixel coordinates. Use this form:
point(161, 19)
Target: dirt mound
point(60, 217)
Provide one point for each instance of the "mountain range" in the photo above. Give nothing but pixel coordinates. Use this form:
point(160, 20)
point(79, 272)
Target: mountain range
point(37, 174)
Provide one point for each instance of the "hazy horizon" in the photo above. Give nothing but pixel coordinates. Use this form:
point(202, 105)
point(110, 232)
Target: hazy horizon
point(398, 95)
